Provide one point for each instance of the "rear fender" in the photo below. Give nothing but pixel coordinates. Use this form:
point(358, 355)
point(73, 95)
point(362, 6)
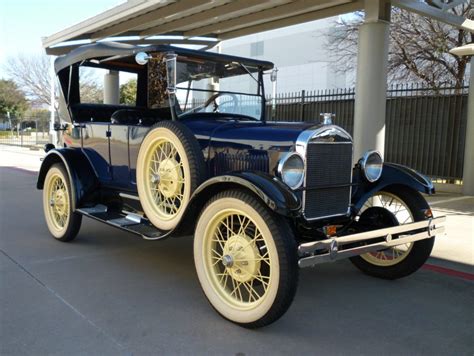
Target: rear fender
point(392, 174)
point(79, 170)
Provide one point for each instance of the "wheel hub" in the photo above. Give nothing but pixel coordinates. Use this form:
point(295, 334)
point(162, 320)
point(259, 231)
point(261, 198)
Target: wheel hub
point(59, 202)
point(241, 258)
point(227, 261)
point(169, 178)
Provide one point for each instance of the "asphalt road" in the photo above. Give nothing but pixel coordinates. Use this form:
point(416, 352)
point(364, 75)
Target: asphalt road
point(111, 293)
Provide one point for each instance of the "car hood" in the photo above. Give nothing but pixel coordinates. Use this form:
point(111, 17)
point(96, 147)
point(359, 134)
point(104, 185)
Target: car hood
point(244, 135)
point(232, 145)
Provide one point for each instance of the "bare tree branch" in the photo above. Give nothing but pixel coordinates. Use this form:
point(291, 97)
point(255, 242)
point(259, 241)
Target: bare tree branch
point(418, 51)
point(32, 75)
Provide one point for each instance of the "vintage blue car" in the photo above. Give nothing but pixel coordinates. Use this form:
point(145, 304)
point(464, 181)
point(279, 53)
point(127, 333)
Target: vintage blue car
point(193, 154)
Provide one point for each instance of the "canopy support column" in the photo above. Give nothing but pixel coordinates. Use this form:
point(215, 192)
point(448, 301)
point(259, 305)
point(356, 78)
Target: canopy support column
point(112, 88)
point(371, 82)
point(468, 168)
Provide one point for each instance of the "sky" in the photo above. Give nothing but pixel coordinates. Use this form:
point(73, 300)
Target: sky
point(24, 22)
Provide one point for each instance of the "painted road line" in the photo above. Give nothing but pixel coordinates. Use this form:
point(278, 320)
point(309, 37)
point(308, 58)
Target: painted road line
point(449, 272)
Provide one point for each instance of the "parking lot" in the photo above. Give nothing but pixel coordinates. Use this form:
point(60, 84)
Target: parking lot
point(111, 293)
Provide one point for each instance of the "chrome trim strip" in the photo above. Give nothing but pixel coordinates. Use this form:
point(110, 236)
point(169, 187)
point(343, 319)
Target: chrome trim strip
point(129, 196)
point(331, 248)
point(137, 219)
point(302, 142)
point(328, 216)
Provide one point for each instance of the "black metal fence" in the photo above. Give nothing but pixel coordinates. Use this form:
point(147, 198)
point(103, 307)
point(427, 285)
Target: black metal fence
point(25, 132)
point(425, 128)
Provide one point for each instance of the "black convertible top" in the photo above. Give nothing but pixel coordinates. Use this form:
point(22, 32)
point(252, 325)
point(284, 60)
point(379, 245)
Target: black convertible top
point(111, 49)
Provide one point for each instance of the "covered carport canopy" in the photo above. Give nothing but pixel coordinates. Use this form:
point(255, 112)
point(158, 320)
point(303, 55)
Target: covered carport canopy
point(203, 22)
point(206, 22)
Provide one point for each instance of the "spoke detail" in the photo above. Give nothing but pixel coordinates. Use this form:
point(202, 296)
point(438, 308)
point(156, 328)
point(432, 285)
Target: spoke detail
point(402, 215)
point(239, 259)
point(59, 201)
point(166, 179)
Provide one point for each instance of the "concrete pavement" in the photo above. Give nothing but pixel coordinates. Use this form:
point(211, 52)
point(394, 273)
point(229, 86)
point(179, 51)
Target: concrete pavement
point(20, 157)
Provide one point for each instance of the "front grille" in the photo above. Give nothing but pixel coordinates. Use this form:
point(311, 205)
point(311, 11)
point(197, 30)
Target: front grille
point(328, 179)
point(228, 162)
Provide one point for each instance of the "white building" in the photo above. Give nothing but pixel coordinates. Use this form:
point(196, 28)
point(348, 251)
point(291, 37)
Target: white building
point(299, 52)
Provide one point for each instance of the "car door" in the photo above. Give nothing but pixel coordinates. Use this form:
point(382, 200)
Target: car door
point(95, 144)
point(119, 156)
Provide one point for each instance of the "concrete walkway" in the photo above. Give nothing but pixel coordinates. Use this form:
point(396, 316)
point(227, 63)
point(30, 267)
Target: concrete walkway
point(20, 157)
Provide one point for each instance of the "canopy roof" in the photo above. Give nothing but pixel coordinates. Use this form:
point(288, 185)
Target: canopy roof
point(200, 22)
point(205, 22)
point(117, 50)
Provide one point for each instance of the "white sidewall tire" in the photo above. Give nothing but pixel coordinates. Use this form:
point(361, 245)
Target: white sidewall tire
point(225, 309)
point(146, 200)
point(58, 233)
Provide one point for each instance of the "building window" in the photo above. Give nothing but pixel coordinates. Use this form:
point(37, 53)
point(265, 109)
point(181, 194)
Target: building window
point(256, 49)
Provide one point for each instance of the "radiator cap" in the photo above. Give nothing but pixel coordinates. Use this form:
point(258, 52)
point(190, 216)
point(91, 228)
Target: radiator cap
point(327, 118)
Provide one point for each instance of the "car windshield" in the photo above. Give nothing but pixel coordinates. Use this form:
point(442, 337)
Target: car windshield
point(218, 87)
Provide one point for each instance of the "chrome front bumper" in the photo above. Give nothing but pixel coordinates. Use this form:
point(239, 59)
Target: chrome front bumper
point(312, 253)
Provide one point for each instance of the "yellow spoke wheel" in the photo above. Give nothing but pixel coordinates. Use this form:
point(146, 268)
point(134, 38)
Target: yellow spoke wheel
point(237, 258)
point(169, 167)
point(238, 261)
point(61, 221)
point(396, 205)
point(402, 214)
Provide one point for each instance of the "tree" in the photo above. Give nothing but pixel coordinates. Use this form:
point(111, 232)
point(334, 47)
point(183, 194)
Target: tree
point(32, 73)
point(40, 119)
point(91, 93)
point(12, 99)
point(419, 47)
point(128, 92)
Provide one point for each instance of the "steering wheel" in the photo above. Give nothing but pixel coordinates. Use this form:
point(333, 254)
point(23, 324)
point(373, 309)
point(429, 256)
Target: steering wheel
point(234, 102)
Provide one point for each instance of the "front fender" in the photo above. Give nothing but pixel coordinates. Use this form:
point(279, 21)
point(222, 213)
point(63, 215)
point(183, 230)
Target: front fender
point(80, 172)
point(273, 193)
point(392, 174)
point(276, 195)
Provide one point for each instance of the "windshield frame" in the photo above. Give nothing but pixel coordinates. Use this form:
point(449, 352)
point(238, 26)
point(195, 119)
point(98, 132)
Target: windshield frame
point(260, 93)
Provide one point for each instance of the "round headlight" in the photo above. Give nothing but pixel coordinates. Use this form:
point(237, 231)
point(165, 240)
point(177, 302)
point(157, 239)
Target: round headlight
point(291, 170)
point(372, 164)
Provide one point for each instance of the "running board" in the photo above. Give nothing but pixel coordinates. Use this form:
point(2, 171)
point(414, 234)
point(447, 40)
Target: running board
point(134, 223)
